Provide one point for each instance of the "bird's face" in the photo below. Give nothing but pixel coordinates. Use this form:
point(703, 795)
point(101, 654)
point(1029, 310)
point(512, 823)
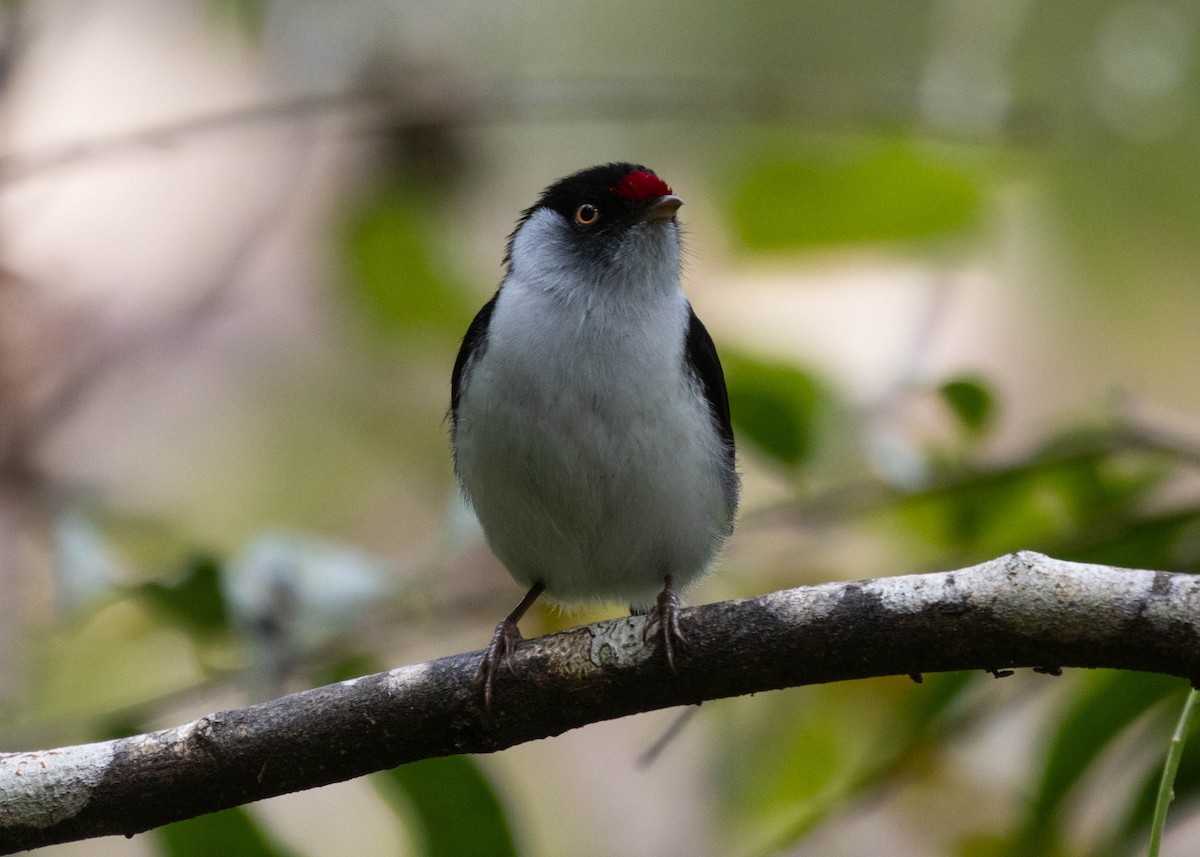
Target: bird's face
point(613, 223)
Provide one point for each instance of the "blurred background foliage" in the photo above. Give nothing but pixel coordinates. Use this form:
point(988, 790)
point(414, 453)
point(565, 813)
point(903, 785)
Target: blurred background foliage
point(947, 250)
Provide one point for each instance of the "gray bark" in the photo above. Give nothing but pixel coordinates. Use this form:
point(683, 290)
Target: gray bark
point(1021, 610)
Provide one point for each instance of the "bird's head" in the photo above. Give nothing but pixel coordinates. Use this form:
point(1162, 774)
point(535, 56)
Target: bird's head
point(615, 221)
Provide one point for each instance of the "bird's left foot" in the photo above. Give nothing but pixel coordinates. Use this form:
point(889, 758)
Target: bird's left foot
point(499, 651)
point(664, 620)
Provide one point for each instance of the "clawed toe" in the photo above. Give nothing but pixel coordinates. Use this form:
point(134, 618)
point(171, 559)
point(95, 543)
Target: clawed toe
point(663, 621)
point(500, 650)
point(504, 643)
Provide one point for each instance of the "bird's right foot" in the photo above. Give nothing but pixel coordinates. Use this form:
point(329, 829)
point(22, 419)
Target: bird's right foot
point(504, 643)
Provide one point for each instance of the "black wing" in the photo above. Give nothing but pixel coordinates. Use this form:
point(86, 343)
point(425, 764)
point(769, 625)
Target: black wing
point(701, 357)
point(473, 345)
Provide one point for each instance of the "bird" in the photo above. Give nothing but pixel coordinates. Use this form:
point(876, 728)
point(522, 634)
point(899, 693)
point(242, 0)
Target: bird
point(589, 416)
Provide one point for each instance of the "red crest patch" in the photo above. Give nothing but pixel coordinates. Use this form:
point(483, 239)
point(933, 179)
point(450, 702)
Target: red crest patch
point(641, 184)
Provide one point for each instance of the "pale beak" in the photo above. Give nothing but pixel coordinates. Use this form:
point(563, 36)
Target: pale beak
point(664, 208)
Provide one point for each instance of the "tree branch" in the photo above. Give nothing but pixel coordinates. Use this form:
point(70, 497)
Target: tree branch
point(1021, 610)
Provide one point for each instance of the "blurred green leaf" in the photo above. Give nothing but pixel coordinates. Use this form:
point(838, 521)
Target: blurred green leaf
point(1168, 542)
point(194, 602)
point(788, 773)
point(992, 514)
point(971, 401)
point(456, 808)
point(248, 15)
point(1102, 711)
point(1107, 705)
point(881, 191)
point(397, 278)
point(926, 710)
point(774, 406)
point(1110, 486)
point(981, 845)
point(111, 661)
point(1065, 500)
point(1130, 837)
point(229, 833)
point(786, 768)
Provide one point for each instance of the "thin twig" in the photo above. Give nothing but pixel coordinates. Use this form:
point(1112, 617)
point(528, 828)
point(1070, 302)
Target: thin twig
point(19, 166)
point(429, 97)
point(1166, 786)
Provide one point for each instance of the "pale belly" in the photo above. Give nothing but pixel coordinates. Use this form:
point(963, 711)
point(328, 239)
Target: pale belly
point(597, 496)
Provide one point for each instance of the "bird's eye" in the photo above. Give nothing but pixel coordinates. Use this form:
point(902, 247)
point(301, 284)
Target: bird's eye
point(587, 214)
